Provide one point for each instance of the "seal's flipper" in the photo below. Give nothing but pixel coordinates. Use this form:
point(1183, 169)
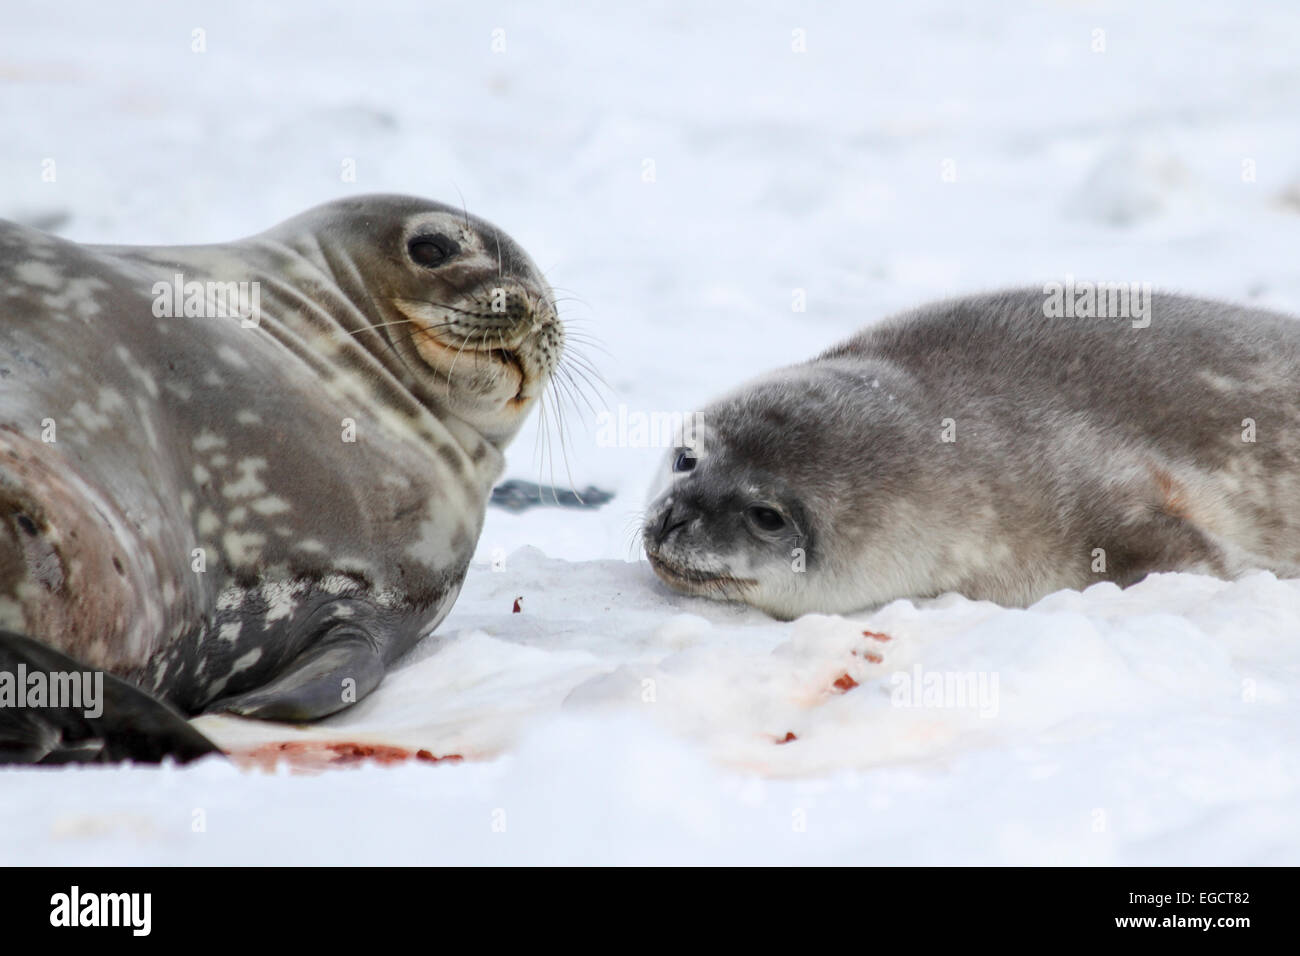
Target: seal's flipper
point(324, 679)
point(99, 718)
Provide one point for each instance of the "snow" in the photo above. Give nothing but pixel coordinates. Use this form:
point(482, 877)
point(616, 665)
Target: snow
point(610, 720)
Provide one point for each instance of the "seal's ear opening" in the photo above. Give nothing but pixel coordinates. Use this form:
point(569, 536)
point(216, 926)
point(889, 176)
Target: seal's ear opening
point(55, 710)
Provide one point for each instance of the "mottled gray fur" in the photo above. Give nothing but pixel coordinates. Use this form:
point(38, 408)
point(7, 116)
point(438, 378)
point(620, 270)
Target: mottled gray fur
point(1085, 450)
point(259, 517)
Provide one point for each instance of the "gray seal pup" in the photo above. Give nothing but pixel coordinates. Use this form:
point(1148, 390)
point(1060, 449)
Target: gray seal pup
point(247, 476)
point(994, 447)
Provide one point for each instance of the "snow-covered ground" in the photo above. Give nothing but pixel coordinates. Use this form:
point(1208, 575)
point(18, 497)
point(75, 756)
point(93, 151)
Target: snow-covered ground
point(683, 175)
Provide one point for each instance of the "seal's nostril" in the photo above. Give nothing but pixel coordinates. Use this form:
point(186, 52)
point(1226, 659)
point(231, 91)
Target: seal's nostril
point(673, 519)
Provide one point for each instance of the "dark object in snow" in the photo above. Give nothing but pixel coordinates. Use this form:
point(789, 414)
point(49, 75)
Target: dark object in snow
point(109, 720)
point(518, 609)
point(519, 495)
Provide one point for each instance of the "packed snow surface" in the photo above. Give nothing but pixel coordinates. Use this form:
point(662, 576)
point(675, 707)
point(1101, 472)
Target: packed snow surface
point(686, 174)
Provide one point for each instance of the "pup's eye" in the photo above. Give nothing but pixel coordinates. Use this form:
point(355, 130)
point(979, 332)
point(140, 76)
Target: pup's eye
point(685, 462)
point(765, 519)
point(432, 250)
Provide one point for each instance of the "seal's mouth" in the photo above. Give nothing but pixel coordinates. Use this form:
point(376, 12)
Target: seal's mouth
point(696, 582)
point(507, 356)
point(441, 352)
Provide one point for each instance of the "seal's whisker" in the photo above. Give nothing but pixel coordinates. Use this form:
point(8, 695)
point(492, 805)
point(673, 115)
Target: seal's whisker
point(580, 334)
point(482, 313)
point(564, 390)
point(569, 295)
point(463, 208)
point(574, 390)
point(579, 329)
point(538, 438)
point(418, 330)
point(566, 387)
point(564, 453)
point(634, 529)
point(544, 429)
point(634, 546)
point(478, 353)
point(589, 396)
point(415, 329)
point(585, 375)
point(582, 330)
point(580, 363)
point(557, 416)
point(570, 300)
point(579, 339)
point(454, 360)
point(545, 453)
point(379, 325)
point(580, 357)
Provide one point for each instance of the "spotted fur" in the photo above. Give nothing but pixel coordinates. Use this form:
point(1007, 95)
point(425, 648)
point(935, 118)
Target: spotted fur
point(199, 524)
point(1086, 449)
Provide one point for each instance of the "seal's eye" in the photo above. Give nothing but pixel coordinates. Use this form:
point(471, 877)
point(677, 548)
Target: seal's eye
point(432, 250)
point(765, 519)
point(685, 462)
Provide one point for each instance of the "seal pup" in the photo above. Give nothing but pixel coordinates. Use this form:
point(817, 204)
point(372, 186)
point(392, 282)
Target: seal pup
point(979, 445)
point(246, 477)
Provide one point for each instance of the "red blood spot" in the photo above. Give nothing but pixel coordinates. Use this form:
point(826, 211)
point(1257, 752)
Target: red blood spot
point(876, 636)
point(308, 756)
point(517, 607)
point(874, 658)
point(844, 683)
point(428, 757)
point(789, 736)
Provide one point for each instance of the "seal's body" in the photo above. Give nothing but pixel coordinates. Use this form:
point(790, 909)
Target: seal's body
point(256, 509)
point(980, 446)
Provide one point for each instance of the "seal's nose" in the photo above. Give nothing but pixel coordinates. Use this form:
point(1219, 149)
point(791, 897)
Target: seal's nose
point(675, 515)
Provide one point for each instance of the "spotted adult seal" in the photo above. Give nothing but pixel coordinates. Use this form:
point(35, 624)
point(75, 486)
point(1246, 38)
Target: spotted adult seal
point(982, 446)
point(257, 509)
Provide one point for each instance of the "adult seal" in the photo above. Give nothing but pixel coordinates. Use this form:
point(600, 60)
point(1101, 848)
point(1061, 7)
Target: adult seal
point(246, 477)
point(983, 446)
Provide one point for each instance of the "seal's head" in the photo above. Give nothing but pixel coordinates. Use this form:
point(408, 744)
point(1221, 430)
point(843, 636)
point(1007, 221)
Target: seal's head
point(763, 504)
point(456, 299)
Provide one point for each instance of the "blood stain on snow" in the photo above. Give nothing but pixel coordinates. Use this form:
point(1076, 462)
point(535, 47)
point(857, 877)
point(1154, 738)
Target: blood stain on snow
point(872, 656)
point(868, 655)
point(310, 755)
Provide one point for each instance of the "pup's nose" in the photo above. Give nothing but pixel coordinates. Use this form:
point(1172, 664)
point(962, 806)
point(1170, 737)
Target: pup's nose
point(675, 515)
